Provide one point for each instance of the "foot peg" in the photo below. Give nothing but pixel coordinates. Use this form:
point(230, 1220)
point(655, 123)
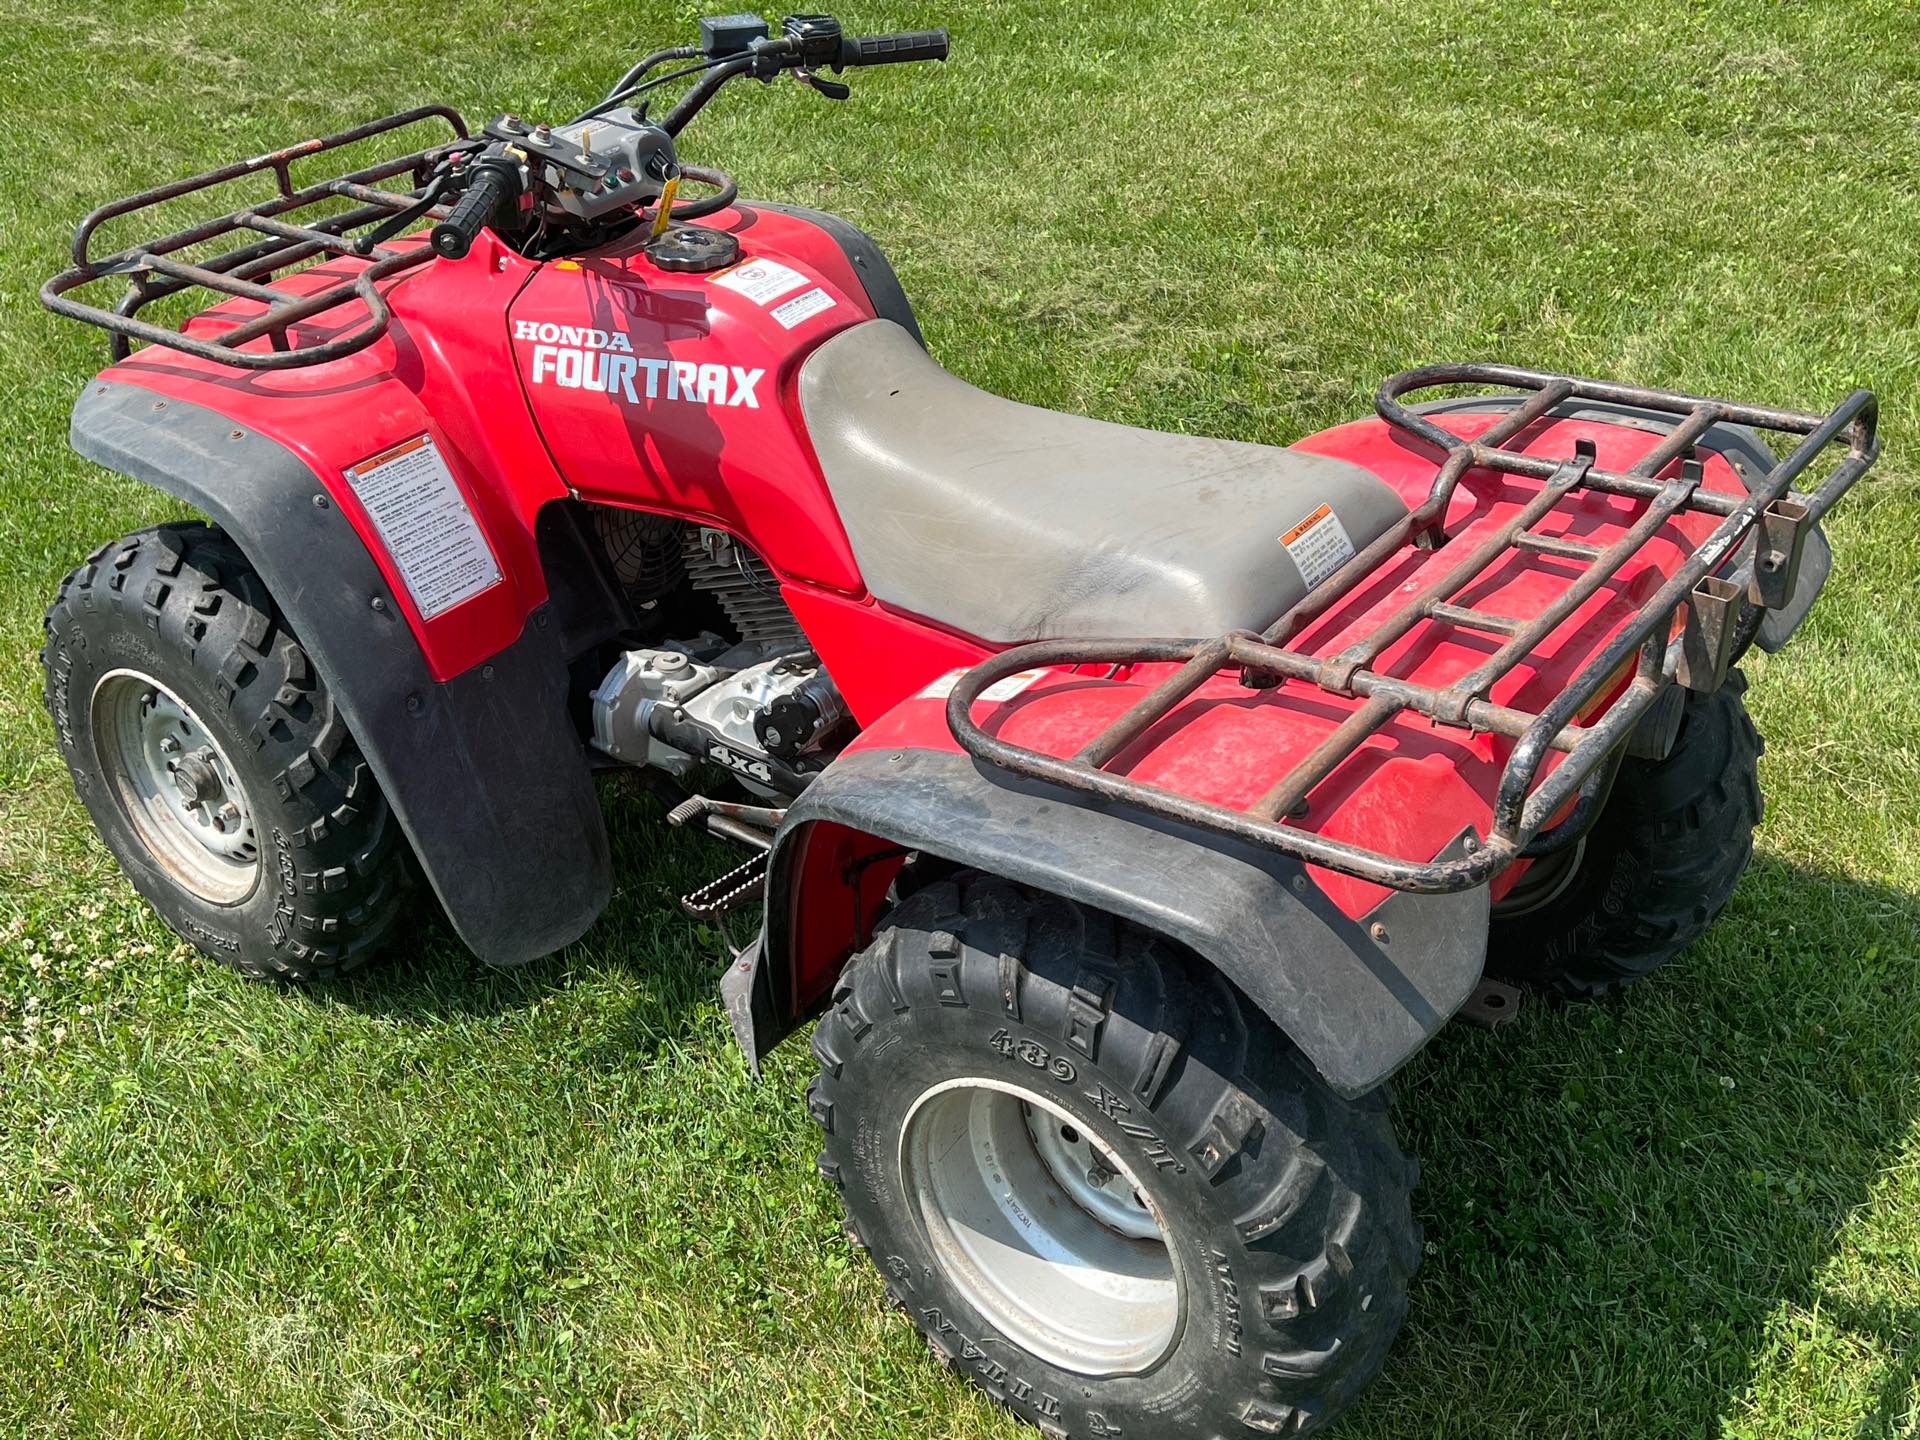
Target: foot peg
point(1493, 1003)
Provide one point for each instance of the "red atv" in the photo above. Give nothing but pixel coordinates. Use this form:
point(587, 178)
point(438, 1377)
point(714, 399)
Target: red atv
point(1127, 806)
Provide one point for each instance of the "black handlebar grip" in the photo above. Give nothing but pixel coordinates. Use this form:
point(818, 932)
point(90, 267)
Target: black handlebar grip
point(895, 49)
point(490, 189)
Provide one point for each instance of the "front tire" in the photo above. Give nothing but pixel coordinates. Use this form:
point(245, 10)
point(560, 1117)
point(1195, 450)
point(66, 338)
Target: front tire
point(1105, 1188)
point(213, 761)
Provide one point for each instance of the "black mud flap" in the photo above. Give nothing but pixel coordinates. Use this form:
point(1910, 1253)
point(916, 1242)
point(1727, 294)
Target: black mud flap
point(485, 772)
point(1359, 997)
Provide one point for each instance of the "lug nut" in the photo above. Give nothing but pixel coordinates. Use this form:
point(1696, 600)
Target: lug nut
point(169, 745)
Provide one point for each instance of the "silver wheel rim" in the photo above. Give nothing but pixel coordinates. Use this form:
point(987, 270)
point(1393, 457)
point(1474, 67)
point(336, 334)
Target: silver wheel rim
point(176, 787)
point(1546, 881)
point(1073, 1267)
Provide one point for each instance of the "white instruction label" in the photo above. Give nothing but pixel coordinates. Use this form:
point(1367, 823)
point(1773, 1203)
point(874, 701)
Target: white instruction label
point(1319, 545)
point(1005, 688)
point(762, 280)
point(801, 306)
point(425, 524)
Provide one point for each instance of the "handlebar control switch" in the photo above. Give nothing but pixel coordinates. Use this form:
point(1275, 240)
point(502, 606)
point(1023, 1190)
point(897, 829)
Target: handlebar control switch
point(816, 40)
point(722, 36)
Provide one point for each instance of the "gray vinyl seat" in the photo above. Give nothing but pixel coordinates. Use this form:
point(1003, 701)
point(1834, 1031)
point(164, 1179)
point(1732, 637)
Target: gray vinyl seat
point(1008, 522)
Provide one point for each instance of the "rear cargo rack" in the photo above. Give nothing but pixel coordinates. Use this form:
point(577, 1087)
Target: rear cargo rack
point(1716, 613)
point(155, 270)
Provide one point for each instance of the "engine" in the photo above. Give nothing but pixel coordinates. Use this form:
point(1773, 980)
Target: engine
point(757, 703)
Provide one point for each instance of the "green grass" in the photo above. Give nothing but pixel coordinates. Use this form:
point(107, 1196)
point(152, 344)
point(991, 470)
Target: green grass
point(441, 1201)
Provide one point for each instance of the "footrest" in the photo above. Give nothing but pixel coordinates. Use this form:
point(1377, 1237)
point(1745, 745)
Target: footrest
point(730, 891)
point(1493, 1003)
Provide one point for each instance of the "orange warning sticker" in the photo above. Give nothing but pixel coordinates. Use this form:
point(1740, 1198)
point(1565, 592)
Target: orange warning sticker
point(1319, 545)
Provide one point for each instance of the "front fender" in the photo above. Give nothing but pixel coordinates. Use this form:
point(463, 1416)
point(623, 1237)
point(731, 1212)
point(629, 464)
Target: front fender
point(484, 770)
point(1358, 996)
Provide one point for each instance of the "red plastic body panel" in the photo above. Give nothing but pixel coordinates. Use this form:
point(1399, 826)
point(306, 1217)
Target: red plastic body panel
point(681, 400)
point(515, 436)
point(440, 370)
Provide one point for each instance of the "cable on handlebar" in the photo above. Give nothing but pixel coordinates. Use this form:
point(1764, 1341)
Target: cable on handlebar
point(646, 63)
point(632, 92)
point(718, 73)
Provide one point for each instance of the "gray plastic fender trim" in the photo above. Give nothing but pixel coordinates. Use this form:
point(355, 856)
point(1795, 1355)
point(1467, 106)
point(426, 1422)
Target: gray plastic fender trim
point(485, 773)
point(1359, 997)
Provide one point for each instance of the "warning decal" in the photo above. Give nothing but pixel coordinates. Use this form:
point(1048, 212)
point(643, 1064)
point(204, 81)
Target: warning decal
point(1319, 545)
point(1004, 688)
point(762, 281)
point(425, 523)
point(801, 306)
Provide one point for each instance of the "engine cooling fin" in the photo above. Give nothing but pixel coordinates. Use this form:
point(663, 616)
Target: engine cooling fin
point(739, 580)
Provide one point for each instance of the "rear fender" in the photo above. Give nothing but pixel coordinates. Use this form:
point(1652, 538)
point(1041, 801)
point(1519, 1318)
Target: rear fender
point(1359, 996)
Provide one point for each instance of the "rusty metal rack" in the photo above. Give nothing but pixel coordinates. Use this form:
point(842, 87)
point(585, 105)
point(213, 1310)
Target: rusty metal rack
point(1718, 595)
point(154, 269)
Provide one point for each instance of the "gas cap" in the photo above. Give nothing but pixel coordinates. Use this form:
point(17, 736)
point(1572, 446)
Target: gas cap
point(692, 249)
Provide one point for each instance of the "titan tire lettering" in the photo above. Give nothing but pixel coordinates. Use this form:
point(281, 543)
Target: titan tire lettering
point(993, 1371)
point(1229, 1338)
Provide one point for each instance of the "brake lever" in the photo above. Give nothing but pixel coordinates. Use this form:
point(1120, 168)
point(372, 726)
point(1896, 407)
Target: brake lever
point(402, 219)
point(832, 89)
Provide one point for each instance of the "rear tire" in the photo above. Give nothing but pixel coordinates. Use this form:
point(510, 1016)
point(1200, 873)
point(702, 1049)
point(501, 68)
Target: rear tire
point(1007, 1075)
point(1658, 866)
point(213, 761)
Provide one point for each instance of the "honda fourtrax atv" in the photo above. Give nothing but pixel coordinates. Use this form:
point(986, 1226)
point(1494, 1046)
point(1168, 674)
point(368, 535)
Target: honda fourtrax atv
point(1127, 807)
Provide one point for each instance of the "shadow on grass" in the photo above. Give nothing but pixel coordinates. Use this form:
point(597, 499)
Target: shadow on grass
point(1623, 1198)
point(1620, 1198)
point(669, 961)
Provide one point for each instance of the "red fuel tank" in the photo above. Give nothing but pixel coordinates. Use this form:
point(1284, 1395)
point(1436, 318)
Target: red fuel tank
point(673, 391)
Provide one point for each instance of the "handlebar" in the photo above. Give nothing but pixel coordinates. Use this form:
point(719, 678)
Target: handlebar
point(518, 158)
point(895, 49)
point(492, 186)
point(811, 43)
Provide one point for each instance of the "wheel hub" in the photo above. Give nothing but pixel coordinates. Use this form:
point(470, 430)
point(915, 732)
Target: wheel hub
point(176, 785)
point(1087, 1174)
point(196, 779)
point(1040, 1227)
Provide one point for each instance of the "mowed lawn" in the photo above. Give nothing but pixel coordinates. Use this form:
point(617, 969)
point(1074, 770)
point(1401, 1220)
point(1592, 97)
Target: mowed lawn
point(441, 1201)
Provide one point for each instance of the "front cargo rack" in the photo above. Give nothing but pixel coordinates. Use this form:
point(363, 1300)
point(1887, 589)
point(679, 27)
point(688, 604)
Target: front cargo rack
point(155, 269)
point(1716, 612)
